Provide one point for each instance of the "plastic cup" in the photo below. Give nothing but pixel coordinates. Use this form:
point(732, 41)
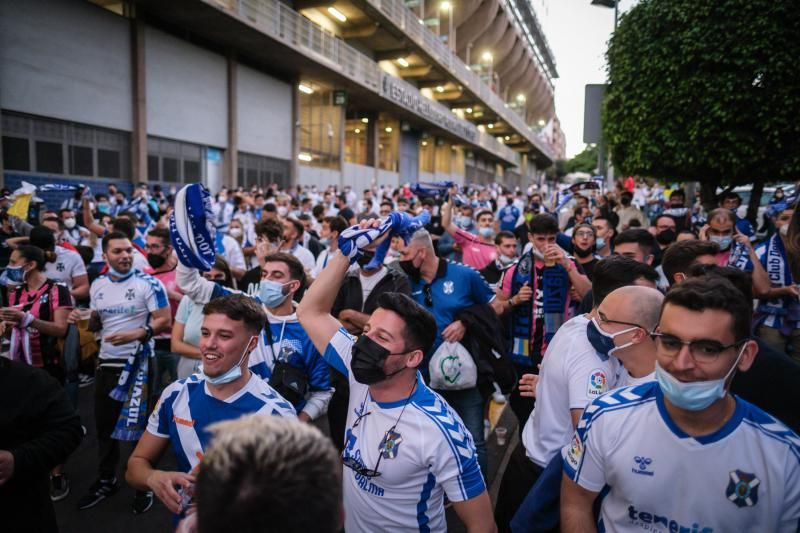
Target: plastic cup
point(85, 315)
point(501, 434)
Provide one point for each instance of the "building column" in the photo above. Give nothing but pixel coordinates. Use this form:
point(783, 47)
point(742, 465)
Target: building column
point(232, 153)
point(294, 167)
point(139, 133)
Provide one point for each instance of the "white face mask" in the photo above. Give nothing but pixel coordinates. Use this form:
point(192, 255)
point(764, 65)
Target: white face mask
point(283, 211)
point(69, 223)
point(784, 230)
point(235, 232)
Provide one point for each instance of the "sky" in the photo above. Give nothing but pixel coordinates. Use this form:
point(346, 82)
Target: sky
point(578, 34)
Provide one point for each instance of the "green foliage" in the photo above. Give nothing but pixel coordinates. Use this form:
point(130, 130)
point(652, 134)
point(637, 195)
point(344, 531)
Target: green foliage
point(706, 90)
point(585, 161)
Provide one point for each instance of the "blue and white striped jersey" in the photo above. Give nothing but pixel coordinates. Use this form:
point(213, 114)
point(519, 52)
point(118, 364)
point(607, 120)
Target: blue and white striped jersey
point(431, 455)
point(186, 408)
point(743, 477)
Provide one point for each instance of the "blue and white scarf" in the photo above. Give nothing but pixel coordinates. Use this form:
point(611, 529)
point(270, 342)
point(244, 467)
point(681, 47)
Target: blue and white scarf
point(781, 313)
point(354, 239)
point(740, 257)
point(132, 389)
point(192, 232)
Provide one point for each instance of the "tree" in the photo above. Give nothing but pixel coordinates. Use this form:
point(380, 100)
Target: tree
point(706, 90)
point(585, 161)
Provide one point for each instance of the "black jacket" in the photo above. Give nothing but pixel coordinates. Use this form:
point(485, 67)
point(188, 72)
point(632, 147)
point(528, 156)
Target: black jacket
point(40, 428)
point(351, 297)
point(485, 340)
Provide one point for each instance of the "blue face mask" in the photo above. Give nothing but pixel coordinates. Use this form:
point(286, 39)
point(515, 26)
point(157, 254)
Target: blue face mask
point(600, 243)
point(271, 293)
point(723, 242)
point(486, 232)
point(15, 274)
point(694, 395)
point(464, 222)
point(325, 242)
point(117, 274)
point(603, 342)
point(234, 373)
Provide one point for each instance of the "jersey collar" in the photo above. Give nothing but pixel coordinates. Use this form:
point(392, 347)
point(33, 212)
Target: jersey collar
point(721, 433)
point(418, 392)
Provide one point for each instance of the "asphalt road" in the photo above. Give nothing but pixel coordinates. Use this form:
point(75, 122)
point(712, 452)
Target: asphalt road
point(114, 515)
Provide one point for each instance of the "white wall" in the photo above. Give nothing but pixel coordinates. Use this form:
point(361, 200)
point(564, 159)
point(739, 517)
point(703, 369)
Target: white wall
point(321, 177)
point(67, 60)
point(187, 91)
point(263, 114)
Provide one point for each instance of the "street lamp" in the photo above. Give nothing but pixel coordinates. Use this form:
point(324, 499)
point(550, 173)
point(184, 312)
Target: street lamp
point(609, 3)
point(451, 36)
point(487, 57)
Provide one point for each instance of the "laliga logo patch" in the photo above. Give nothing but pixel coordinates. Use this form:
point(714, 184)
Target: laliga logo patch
point(575, 451)
point(597, 384)
point(743, 489)
point(390, 444)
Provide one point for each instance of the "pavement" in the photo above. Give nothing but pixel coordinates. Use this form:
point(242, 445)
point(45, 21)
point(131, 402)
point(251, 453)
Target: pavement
point(114, 515)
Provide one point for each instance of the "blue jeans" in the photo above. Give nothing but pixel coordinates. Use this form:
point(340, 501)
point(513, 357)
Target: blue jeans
point(469, 405)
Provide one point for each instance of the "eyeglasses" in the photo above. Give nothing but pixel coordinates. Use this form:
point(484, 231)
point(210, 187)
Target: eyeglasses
point(604, 318)
point(581, 234)
point(702, 351)
point(428, 292)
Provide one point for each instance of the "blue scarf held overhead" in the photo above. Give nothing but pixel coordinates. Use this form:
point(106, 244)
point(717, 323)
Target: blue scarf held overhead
point(132, 389)
point(354, 239)
point(192, 233)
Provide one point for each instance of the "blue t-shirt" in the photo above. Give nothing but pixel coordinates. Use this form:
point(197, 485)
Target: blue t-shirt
point(455, 288)
point(508, 218)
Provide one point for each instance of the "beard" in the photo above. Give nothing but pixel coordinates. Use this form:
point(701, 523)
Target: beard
point(582, 253)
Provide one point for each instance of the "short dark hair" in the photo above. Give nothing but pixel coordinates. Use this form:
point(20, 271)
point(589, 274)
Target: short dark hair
point(298, 226)
point(108, 237)
point(484, 212)
point(238, 307)
point(730, 195)
point(679, 256)
point(543, 224)
point(659, 217)
point(642, 237)
point(86, 253)
point(160, 233)
point(386, 202)
point(618, 271)
point(42, 237)
point(677, 192)
point(318, 210)
point(222, 265)
point(271, 229)
point(296, 270)
point(583, 225)
point(740, 279)
point(125, 226)
point(420, 330)
point(130, 215)
point(498, 239)
point(34, 254)
point(65, 210)
point(717, 293)
point(337, 223)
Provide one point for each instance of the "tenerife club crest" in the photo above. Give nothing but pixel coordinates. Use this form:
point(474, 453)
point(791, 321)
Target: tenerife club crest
point(390, 444)
point(448, 287)
point(743, 489)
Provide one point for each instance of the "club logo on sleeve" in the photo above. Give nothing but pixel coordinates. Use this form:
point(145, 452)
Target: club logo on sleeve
point(743, 489)
point(447, 287)
point(598, 384)
point(574, 452)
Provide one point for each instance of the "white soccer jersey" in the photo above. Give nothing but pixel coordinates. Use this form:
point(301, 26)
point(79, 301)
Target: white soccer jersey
point(186, 408)
point(68, 265)
point(430, 454)
point(743, 477)
point(124, 305)
point(572, 375)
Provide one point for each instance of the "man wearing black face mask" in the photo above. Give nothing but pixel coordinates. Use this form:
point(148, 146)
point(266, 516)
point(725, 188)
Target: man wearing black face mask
point(162, 266)
point(666, 231)
point(405, 448)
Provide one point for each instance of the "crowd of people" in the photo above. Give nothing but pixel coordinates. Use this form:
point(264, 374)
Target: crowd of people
point(648, 348)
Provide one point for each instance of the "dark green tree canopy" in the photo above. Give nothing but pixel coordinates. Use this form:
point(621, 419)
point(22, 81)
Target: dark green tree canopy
point(706, 90)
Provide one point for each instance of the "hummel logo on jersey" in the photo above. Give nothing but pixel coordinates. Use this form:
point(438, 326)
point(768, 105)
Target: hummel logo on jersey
point(643, 463)
point(130, 294)
point(743, 489)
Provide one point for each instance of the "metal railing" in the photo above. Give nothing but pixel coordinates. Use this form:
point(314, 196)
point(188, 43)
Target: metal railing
point(280, 22)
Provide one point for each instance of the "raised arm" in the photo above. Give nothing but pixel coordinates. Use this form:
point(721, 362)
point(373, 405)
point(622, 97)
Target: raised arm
point(314, 311)
point(88, 220)
point(447, 218)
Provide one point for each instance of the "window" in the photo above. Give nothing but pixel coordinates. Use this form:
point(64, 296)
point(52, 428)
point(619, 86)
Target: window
point(171, 170)
point(108, 164)
point(191, 171)
point(81, 161)
point(16, 154)
point(153, 172)
point(261, 171)
point(65, 148)
point(174, 161)
point(49, 157)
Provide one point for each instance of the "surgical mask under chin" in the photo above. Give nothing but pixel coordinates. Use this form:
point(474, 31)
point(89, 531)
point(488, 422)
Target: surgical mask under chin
point(603, 342)
point(486, 232)
point(116, 273)
point(505, 260)
point(694, 395)
point(271, 293)
point(464, 221)
point(600, 243)
point(325, 242)
point(723, 242)
point(233, 373)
